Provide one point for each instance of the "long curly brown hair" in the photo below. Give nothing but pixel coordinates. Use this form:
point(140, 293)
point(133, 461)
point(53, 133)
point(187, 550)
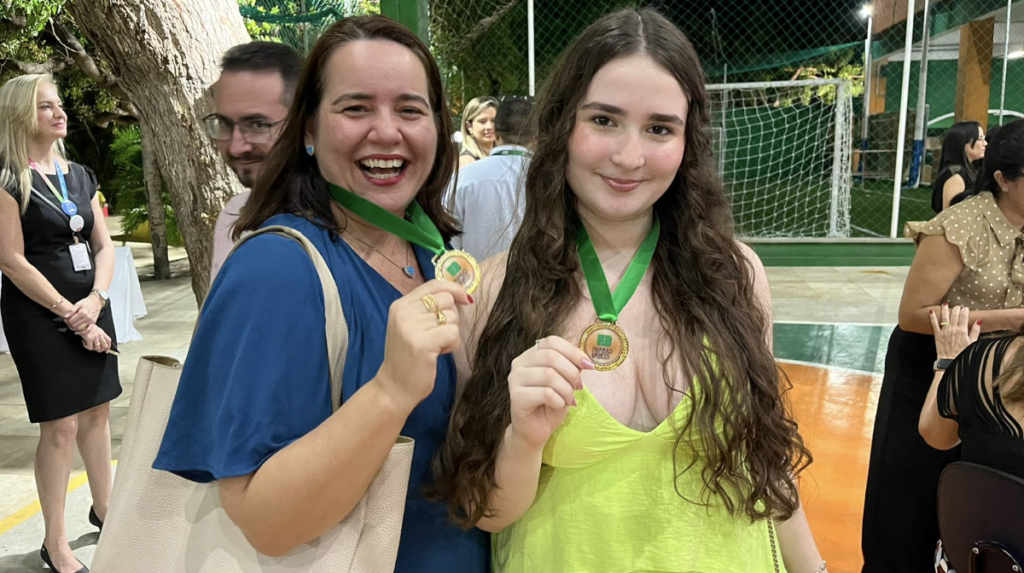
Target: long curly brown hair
point(702, 286)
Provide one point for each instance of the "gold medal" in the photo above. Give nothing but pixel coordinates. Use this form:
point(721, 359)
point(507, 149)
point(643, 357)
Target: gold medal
point(606, 345)
point(458, 267)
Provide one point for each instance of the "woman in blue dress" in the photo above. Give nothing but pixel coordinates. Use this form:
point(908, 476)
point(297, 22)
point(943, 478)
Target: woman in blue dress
point(369, 124)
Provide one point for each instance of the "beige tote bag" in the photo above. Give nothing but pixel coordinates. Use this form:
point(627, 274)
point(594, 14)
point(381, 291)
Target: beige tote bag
point(161, 523)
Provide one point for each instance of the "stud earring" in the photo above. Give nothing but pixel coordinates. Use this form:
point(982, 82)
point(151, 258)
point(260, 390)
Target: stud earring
point(309, 150)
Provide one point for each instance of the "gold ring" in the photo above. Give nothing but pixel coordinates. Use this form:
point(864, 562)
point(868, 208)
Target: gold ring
point(441, 318)
point(430, 302)
point(943, 324)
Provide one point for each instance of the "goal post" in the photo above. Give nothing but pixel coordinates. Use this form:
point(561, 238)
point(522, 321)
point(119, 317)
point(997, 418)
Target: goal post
point(784, 153)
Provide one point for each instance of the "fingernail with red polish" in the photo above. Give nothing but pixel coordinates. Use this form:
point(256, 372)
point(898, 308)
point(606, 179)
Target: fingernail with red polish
point(931, 312)
point(470, 299)
point(979, 323)
point(574, 401)
point(588, 364)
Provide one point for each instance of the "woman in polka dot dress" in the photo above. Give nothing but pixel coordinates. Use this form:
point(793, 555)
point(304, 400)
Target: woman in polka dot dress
point(971, 254)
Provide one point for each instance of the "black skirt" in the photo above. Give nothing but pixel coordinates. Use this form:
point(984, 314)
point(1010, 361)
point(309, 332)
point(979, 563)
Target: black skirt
point(59, 377)
point(900, 525)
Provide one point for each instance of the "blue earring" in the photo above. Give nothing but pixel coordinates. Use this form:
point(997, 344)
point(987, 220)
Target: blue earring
point(309, 150)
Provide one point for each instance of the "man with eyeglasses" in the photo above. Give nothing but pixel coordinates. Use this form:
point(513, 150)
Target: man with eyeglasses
point(252, 96)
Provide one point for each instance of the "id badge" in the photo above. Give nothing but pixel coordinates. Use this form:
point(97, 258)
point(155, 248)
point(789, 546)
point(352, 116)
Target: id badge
point(80, 257)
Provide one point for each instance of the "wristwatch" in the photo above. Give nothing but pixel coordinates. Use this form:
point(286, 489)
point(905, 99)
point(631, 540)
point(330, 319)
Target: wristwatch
point(942, 363)
point(102, 294)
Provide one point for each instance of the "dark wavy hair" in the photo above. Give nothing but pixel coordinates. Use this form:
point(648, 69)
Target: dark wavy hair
point(961, 134)
point(702, 285)
point(290, 182)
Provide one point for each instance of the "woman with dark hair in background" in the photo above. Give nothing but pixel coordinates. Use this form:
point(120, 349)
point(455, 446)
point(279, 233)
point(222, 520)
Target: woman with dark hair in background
point(644, 431)
point(368, 131)
point(969, 255)
point(963, 146)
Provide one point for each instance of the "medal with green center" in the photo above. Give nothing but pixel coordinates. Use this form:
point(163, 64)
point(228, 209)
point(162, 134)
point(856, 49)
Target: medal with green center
point(452, 266)
point(605, 342)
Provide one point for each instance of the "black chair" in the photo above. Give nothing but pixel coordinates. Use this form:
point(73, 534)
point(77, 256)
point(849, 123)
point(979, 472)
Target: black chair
point(981, 519)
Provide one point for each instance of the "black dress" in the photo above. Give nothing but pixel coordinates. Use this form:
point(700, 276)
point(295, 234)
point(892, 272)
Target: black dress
point(59, 377)
point(970, 393)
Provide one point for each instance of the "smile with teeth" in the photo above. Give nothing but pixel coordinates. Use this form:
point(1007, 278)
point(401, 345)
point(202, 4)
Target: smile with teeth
point(382, 168)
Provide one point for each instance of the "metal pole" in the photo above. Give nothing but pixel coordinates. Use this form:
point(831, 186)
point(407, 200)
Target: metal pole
point(901, 130)
point(921, 115)
point(1006, 59)
point(532, 54)
point(838, 164)
point(867, 99)
point(867, 83)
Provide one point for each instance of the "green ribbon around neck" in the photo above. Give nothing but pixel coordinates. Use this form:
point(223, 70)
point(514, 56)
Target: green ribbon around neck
point(419, 229)
point(606, 305)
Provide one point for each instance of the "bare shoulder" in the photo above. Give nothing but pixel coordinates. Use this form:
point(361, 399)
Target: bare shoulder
point(492, 276)
point(493, 269)
point(751, 258)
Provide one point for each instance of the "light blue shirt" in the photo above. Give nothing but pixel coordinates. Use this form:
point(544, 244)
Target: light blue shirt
point(489, 201)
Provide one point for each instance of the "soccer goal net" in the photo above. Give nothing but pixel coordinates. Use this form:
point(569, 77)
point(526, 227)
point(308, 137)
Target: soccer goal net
point(784, 153)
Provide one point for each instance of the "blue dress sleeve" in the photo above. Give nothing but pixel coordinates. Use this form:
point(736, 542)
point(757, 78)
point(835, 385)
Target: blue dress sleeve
point(256, 377)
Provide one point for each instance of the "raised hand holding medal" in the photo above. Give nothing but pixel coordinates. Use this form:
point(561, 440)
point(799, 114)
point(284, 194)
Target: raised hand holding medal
point(605, 342)
point(449, 265)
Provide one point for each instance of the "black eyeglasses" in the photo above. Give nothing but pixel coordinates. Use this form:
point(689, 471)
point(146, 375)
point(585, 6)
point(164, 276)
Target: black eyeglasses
point(253, 130)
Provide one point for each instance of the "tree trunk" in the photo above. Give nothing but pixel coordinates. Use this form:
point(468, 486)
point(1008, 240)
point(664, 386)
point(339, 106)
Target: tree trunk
point(165, 55)
point(154, 193)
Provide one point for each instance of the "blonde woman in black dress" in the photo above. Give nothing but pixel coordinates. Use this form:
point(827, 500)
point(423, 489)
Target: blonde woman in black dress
point(57, 261)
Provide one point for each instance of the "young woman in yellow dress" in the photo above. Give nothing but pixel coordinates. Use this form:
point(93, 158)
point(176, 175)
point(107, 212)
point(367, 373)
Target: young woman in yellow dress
point(621, 408)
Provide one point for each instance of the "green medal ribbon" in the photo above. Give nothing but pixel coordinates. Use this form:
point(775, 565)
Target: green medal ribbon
point(420, 230)
point(606, 305)
point(510, 152)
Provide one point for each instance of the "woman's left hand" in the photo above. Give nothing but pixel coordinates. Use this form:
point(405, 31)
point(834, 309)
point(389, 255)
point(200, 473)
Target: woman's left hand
point(84, 313)
point(953, 330)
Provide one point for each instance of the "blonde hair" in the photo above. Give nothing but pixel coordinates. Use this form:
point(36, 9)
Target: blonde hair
point(474, 108)
point(18, 102)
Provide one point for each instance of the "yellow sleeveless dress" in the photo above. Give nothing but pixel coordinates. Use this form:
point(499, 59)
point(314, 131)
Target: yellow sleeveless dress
point(606, 503)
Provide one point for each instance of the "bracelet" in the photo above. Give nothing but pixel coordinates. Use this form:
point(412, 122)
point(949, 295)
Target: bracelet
point(56, 304)
point(821, 569)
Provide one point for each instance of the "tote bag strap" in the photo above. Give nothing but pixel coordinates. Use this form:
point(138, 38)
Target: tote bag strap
point(337, 328)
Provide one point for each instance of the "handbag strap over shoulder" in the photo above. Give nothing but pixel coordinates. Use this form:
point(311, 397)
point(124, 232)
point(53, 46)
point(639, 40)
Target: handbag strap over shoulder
point(337, 328)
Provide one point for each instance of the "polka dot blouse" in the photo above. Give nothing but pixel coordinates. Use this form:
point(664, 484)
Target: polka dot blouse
point(991, 248)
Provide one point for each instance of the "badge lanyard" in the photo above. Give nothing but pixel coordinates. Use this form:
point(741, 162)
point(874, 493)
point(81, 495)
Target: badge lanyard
point(75, 221)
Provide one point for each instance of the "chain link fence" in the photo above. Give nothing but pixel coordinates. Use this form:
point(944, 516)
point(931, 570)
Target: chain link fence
point(778, 140)
point(963, 67)
point(806, 134)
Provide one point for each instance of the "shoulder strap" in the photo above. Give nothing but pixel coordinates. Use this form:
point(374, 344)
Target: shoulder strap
point(337, 328)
